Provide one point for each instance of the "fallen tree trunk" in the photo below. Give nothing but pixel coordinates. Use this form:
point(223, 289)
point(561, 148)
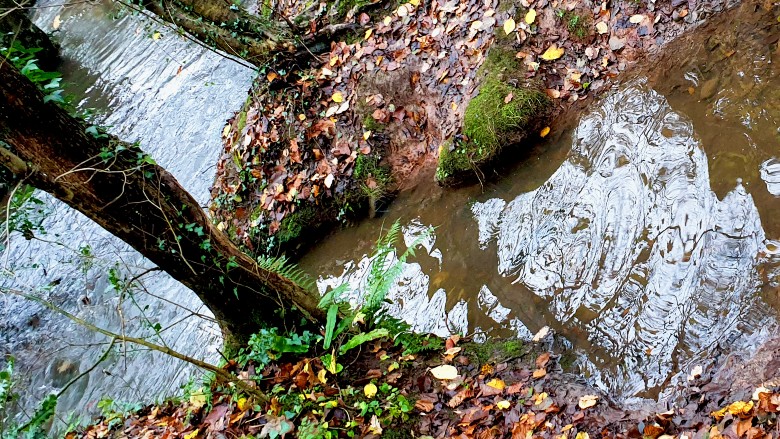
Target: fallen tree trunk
point(124, 191)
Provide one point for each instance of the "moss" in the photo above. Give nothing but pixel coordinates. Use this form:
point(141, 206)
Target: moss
point(293, 225)
point(372, 124)
point(497, 351)
point(491, 119)
point(578, 24)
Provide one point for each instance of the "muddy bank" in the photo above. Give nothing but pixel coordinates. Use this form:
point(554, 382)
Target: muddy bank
point(324, 143)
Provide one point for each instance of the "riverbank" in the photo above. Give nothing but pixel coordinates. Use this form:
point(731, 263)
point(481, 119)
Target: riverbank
point(451, 388)
point(420, 86)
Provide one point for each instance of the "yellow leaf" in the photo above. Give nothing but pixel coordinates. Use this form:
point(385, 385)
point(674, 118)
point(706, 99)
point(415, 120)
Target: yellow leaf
point(444, 372)
point(226, 130)
point(366, 135)
point(387, 20)
point(503, 405)
point(496, 384)
point(509, 26)
point(475, 25)
point(368, 34)
point(334, 60)
point(602, 27)
point(370, 390)
point(530, 16)
point(337, 97)
point(414, 3)
point(739, 408)
point(552, 53)
point(271, 76)
point(321, 376)
point(588, 401)
point(582, 435)
point(156, 36)
point(301, 117)
point(243, 404)
point(191, 435)
point(198, 399)
point(454, 106)
point(545, 131)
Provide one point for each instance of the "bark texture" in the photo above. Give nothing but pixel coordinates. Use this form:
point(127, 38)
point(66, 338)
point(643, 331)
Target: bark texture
point(117, 186)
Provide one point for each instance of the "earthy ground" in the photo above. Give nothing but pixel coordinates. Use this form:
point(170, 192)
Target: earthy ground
point(464, 390)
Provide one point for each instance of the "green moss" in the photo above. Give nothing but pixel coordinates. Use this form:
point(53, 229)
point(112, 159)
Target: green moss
point(496, 351)
point(579, 25)
point(371, 124)
point(294, 224)
point(493, 118)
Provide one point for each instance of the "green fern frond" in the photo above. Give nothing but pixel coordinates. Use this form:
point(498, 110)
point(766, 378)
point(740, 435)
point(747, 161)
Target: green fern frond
point(283, 267)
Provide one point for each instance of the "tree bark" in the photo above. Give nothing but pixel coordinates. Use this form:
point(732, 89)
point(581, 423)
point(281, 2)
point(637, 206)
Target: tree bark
point(124, 191)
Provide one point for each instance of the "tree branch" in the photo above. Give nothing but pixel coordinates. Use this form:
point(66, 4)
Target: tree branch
point(13, 163)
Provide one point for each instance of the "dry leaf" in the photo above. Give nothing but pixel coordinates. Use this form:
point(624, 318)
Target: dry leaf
point(552, 53)
point(509, 97)
point(329, 181)
point(539, 373)
point(602, 28)
point(496, 384)
point(156, 36)
point(545, 330)
point(56, 23)
point(509, 26)
point(475, 25)
point(545, 131)
point(636, 19)
point(337, 97)
point(271, 76)
point(445, 372)
point(503, 405)
point(530, 16)
point(588, 401)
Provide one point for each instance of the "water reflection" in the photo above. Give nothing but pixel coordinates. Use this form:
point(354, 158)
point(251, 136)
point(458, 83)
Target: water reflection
point(173, 97)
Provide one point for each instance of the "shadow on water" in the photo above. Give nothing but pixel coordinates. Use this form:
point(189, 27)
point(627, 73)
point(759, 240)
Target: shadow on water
point(644, 238)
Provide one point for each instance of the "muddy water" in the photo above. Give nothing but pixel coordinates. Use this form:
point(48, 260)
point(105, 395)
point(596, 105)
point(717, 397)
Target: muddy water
point(173, 97)
point(644, 235)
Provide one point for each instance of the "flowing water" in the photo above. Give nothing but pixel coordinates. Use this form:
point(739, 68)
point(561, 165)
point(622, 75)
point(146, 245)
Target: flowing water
point(642, 233)
point(173, 97)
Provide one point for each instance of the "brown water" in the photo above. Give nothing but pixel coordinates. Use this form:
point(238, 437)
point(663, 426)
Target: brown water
point(644, 237)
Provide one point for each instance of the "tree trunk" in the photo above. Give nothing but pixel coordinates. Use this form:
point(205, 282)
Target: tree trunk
point(122, 189)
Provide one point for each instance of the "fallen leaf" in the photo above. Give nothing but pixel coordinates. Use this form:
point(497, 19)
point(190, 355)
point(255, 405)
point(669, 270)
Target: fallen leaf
point(337, 97)
point(545, 131)
point(530, 16)
point(368, 34)
point(475, 25)
point(545, 330)
point(496, 384)
point(552, 53)
point(539, 373)
point(445, 372)
point(329, 181)
point(503, 405)
point(636, 19)
point(424, 405)
point(695, 373)
point(192, 434)
point(582, 435)
point(375, 426)
point(243, 404)
point(509, 25)
point(370, 390)
point(602, 28)
point(156, 36)
point(366, 134)
point(542, 359)
point(271, 76)
point(56, 25)
point(588, 401)
point(509, 97)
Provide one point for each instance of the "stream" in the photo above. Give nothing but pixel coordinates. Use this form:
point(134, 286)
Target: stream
point(643, 234)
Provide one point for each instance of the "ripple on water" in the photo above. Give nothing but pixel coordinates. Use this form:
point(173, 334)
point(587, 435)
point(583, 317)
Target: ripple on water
point(628, 240)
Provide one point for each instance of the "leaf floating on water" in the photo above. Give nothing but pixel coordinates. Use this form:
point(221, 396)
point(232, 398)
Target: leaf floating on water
point(156, 36)
point(588, 401)
point(509, 26)
point(552, 53)
point(56, 24)
point(530, 16)
point(545, 131)
point(445, 372)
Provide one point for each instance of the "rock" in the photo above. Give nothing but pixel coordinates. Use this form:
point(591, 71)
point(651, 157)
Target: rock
point(616, 43)
point(709, 88)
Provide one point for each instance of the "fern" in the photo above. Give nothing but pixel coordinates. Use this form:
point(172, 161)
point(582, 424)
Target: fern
point(382, 274)
point(283, 267)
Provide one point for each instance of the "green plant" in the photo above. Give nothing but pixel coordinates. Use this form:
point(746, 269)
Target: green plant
point(267, 345)
point(34, 428)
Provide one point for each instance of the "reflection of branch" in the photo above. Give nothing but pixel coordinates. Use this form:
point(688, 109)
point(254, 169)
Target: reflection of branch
point(91, 368)
point(218, 371)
